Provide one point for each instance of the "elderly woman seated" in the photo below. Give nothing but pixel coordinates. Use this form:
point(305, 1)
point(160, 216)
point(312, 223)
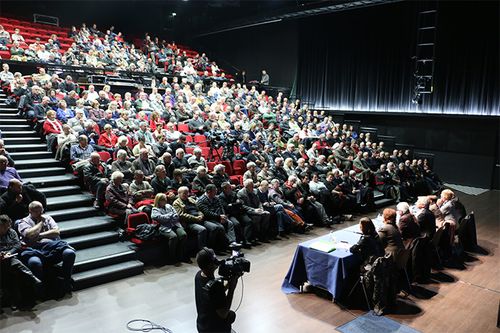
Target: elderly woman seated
point(170, 228)
point(118, 201)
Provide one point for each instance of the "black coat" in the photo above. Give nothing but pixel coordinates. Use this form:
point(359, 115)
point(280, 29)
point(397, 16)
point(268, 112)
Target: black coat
point(367, 246)
point(427, 222)
point(15, 210)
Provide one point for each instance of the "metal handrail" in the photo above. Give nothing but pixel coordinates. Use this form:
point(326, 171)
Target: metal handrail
point(46, 19)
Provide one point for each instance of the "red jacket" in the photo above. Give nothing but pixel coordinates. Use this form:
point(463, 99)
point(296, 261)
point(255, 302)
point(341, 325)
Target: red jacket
point(107, 141)
point(54, 126)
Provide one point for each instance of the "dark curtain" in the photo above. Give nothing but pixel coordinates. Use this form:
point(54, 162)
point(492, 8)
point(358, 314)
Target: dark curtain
point(361, 60)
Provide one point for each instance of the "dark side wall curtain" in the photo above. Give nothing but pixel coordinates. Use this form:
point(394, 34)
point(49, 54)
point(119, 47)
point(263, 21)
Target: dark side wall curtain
point(361, 60)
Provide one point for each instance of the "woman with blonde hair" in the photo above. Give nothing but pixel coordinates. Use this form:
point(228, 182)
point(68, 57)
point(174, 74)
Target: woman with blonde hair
point(170, 228)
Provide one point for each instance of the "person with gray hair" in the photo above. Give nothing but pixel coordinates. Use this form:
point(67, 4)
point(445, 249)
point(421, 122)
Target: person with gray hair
point(220, 176)
point(190, 217)
point(117, 197)
point(140, 189)
point(96, 178)
point(251, 173)
point(407, 223)
point(3, 152)
point(82, 150)
point(426, 219)
point(144, 163)
point(220, 226)
point(253, 207)
point(201, 180)
point(196, 159)
point(122, 164)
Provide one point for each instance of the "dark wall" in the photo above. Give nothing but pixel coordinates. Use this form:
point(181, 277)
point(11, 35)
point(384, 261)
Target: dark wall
point(362, 59)
point(465, 148)
point(271, 46)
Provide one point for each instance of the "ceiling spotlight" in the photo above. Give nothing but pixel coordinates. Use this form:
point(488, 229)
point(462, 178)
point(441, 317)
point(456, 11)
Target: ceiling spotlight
point(174, 14)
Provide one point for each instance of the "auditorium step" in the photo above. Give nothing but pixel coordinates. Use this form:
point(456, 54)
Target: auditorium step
point(21, 140)
point(69, 201)
point(103, 255)
point(52, 181)
point(42, 162)
point(85, 225)
point(18, 134)
point(73, 213)
point(26, 147)
point(107, 274)
point(14, 127)
point(60, 190)
point(377, 195)
point(8, 115)
point(93, 239)
point(383, 202)
point(27, 155)
point(38, 172)
point(16, 121)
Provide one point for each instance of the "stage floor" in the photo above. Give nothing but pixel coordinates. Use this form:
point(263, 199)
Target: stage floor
point(466, 299)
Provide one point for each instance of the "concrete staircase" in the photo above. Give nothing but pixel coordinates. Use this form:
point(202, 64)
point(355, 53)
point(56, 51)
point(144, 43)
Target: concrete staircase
point(100, 256)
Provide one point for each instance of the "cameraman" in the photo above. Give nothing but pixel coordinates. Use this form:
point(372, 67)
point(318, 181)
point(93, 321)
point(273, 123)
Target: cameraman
point(212, 302)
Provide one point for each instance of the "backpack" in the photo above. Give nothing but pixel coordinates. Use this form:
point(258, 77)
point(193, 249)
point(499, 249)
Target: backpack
point(147, 231)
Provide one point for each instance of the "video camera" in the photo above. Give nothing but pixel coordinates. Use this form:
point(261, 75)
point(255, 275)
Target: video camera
point(236, 265)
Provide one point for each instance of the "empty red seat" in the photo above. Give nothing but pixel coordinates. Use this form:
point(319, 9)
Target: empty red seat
point(105, 156)
point(239, 167)
point(134, 220)
point(183, 128)
point(229, 167)
point(205, 152)
point(211, 166)
point(200, 140)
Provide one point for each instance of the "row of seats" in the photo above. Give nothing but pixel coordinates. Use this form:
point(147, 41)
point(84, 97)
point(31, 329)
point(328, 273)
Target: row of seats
point(5, 21)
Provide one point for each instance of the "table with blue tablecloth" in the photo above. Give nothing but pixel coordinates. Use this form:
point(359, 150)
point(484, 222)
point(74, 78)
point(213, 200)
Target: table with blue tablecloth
point(326, 270)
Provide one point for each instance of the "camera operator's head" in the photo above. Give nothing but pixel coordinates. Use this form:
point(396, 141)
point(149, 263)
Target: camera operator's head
point(207, 261)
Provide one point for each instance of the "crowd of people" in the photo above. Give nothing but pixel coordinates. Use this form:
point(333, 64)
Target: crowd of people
point(222, 162)
point(406, 242)
point(94, 48)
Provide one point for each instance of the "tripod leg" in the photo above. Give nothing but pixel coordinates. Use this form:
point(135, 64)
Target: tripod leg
point(354, 287)
point(366, 295)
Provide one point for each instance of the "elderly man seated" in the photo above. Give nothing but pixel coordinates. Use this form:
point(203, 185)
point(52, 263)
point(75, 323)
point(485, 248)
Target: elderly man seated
point(41, 233)
point(253, 208)
point(140, 189)
point(191, 218)
point(212, 208)
point(95, 176)
point(145, 164)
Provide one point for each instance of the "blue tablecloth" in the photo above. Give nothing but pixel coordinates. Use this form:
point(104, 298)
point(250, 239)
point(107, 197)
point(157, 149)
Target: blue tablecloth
point(329, 271)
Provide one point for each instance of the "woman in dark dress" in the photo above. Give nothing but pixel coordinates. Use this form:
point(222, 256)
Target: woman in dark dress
point(369, 244)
